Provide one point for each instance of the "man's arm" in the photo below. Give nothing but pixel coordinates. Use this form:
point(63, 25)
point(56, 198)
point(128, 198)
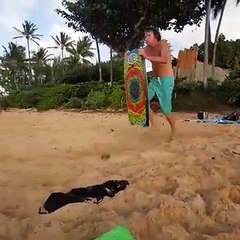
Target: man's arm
point(160, 59)
point(163, 58)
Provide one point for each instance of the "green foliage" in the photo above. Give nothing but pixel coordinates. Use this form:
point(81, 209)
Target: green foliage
point(13, 69)
point(28, 31)
point(93, 95)
point(96, 100)
point(120, 24)
point(4, 103)
point(58, 95)
point(109, 96)
point(23, 99)
point(235, 73)
point(186, 86)
point(90, 95)
point(52, 97)
point(73, 103)
point(117, 97)
point(227, 55)
point(81, 73)
point(86, 73)
point(81, 50)
point(230, 91)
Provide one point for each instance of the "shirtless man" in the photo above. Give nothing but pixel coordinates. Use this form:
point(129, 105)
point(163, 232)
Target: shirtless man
point(158, 53)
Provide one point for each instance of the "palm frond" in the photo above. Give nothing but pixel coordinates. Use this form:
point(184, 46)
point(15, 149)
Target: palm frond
point(35, 42)
point(19, 30)
point(18, 37)
point(56, 40)
point(54, 47)
point(38, 35)
point(33, 37)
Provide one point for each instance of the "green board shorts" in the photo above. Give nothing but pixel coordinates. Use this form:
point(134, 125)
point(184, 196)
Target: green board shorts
point(162, 87)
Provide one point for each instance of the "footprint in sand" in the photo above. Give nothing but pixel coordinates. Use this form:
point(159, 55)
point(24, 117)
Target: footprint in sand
point(234, 194)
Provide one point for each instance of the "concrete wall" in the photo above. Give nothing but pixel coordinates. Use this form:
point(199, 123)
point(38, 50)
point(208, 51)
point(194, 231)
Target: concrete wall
point(196, 72)
point(189, 67)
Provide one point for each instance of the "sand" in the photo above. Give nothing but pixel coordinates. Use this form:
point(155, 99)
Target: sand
point(187, 189)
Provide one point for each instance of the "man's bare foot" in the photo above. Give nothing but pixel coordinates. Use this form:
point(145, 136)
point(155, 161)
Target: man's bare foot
point(172, 136)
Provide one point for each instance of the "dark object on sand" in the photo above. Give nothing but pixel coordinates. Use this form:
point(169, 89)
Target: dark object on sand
point(105, 156)
point(202, 115)
point(234, 116)
point(83, 194)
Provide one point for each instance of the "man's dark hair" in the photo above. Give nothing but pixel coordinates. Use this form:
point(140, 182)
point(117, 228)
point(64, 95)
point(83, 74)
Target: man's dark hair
point(155, 31)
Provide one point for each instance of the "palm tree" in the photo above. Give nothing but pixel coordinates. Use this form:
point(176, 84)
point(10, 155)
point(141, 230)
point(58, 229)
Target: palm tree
point(219, 8)
point(81, 51)
point(64, 41)
point(40, 59)
point(28, 32)
point(13, 63)
point(41, 55)
point(14, 53)
point(206, 42)
point(99, 59)
point(57, 68)
point(111, 66)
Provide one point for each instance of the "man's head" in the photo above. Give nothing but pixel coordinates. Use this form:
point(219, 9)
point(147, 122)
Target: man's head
point(152, 36)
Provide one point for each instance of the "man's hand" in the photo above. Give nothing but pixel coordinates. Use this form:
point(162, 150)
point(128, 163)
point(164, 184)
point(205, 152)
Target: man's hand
point(141, 52)
point(125, 54)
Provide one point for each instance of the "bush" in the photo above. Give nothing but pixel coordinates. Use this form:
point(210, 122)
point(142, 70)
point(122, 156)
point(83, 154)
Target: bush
point(186, 86)
point(23, 99)
point(94, 95)
point(73, 102)
point(81, 73)
point(117, 97)
point(4, 103)
point(213, 86)
point(59, 95)
point(230, 91)
point(234, 74)
point(88, 73)
point(96, 100)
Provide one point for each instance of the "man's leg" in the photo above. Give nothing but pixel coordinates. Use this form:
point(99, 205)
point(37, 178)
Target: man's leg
point(151, 94)
point(165, 100)
point(171, 120)
point(153, 120)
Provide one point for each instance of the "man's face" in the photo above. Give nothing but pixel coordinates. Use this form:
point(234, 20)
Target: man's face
point(150, 39)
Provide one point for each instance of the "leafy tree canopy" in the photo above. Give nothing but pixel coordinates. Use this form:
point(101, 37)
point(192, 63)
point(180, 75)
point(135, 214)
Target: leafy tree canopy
point(228, 53)
point(121, 23)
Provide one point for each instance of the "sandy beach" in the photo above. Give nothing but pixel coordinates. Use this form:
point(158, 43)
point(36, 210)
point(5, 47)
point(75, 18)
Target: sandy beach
point(186, 189)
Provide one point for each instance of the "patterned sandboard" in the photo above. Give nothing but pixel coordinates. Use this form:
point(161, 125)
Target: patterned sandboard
point(136, 89)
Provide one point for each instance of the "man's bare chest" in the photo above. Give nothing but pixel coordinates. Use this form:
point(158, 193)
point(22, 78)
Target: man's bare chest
point(153, 52)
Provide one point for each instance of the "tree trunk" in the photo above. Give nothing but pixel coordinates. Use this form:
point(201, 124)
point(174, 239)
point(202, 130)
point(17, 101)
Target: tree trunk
point(62, 48)
point(29, 64)
point(62, 52)
point(216, 40)
point(99, 61)
point(15, 80)
point(111, 66)
point(207, 23)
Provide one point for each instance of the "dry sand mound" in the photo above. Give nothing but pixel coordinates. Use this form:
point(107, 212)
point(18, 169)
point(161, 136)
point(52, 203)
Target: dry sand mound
point(187, 189)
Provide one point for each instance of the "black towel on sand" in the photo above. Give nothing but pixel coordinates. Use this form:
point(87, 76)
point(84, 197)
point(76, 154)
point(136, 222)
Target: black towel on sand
point(83, 194)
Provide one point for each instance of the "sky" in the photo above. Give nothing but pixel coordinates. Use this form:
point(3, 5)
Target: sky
point(41, 12)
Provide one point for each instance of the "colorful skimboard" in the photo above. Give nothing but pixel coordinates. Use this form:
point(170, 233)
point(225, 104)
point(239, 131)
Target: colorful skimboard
point(135, 78)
